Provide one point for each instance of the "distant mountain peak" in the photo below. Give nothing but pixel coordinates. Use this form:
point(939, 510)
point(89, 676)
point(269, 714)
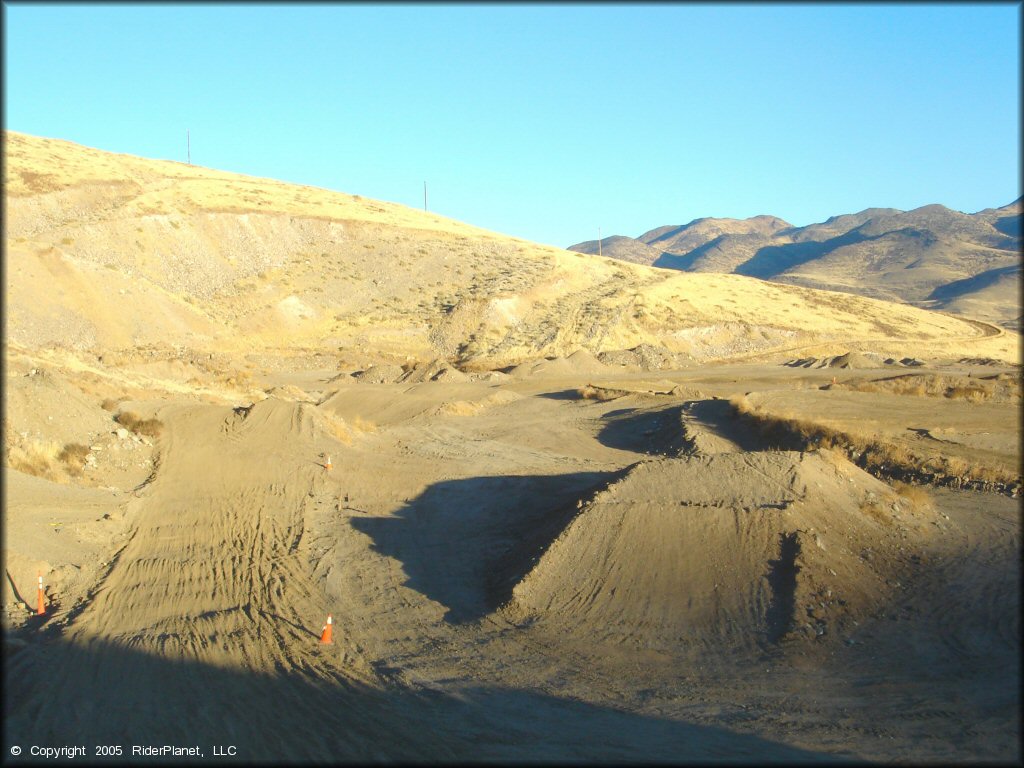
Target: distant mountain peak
point(881, 252)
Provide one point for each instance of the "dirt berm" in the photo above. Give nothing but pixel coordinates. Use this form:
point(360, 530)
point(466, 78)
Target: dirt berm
point(730, 549)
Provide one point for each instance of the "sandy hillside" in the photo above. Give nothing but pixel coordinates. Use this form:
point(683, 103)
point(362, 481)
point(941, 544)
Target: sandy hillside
point(224, 263)
point(559, 508)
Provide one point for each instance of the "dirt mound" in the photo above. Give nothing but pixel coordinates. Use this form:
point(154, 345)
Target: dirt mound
point(645, 387)
point(490, 376)
point(853, 360)
point(982, 361)
point(292, 393)
point(646, 357)
point(380, 374)
point(850, 360)
point(549, 367)
point(435, 370)
point(729, 549)
point(579, 362)
point(583, 361)
point(473, 407)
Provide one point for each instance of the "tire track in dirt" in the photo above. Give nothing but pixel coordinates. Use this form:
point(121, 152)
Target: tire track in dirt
point(214, 585)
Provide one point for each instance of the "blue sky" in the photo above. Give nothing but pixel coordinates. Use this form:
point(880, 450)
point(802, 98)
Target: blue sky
point(547, 121)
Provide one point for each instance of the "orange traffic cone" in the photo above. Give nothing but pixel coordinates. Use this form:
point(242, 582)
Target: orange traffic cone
point(328, 466)
point(41, 607)
point(325, 635)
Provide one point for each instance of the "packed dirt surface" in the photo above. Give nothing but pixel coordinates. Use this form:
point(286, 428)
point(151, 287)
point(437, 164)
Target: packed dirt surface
point(537, 565)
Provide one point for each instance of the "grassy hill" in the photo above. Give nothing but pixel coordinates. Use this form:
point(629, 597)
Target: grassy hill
point(932, 256)
point(111, 253)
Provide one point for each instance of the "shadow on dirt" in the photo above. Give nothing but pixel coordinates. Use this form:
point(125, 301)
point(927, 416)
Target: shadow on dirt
point(719, 418)
point(650, 432)
point(782, 575)
point(562, 394)
point(103, 693)
point(465, 543)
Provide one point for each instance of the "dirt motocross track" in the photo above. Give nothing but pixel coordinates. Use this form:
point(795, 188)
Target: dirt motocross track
point(555, 525)
point(516, 573)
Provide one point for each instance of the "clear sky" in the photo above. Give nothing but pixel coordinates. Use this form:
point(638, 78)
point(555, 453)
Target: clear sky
point(547, 121)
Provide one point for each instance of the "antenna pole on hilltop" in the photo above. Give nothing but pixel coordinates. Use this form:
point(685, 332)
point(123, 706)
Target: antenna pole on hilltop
point(424, 195)
point(599, 249)
point(188, 144)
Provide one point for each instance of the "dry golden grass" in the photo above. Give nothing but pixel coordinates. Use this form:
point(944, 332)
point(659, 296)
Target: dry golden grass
point(344, 431)
point(918, 497)
point(600, 394)
point(972, 394)
point(877, 511)
point(132, 422)
point(872, 452)
point(339, 429)
point(73, 456)
point(934, 385)
point(363, 425)
point(34, 457)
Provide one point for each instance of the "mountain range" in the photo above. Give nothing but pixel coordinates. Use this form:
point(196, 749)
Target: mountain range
point(932, 257)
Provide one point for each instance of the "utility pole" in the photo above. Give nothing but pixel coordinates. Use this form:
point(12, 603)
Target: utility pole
point(424, 195)
point(188, 144)
point(599, 249)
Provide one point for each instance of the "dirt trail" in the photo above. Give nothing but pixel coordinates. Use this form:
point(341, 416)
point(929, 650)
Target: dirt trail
point(207, 622)
point(986, 330)
point(623, 632)
point(215, 555)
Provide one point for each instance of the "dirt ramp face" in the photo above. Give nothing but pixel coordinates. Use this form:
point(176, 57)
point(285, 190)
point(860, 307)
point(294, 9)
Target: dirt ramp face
point(711, 551)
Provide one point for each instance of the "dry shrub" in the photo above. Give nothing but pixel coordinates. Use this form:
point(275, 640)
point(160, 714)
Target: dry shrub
point(915, 385)
point(860, 386)
point(876, 511)
point(240, 378)
point(458, 408)
point(73, 456)
point(37, 458)
point(344, 431)
point(927, 385)
point(337, 427)
point(600, 394)
point(970, 393)
point(109, 404)
point(918, 389)
point(918, 497)
point(954, 465)
point(873, 453)
point(132, 422)
point(362, 425)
